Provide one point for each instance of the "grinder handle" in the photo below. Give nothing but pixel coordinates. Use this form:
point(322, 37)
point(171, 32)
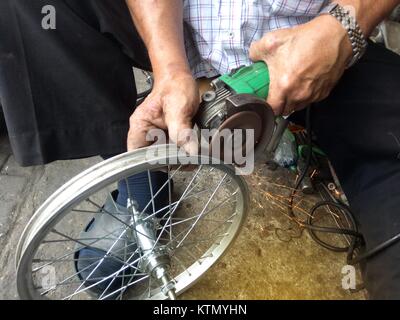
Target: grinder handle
point(253, 79)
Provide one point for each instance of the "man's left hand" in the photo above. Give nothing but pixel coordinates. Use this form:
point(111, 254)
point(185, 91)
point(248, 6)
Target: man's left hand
point(305, 62)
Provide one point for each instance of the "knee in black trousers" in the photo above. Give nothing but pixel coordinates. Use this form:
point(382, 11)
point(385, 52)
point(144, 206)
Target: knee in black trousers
point(359, 127)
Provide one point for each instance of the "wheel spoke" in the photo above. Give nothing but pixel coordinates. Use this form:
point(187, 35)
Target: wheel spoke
point(169, 198)
point(202, 212)
point(161, 188)
point(183, 220)
point(86, 268)
point(204, 209)
point(116, 218)
point(87, 247)
point(99, 263)
point(185, 193)
point(153, 204)
point(126, 287)
point(79, 290)
point(73, 252)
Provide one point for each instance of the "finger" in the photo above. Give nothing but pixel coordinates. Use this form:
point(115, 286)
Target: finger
point(291, 107)
point(297, 101)
point(137, 140)
point(277, 101)
point(139, 130)
point(277, 95)
point(181, 132)
point(138, 136)
point(146, 125)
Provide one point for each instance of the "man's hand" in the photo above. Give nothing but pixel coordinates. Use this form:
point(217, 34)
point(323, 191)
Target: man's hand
point(175, 98)
point(171, 106)
point(305, 62)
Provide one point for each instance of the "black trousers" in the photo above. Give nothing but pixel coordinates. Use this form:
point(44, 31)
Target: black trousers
point(68, 93)
point(359, 127)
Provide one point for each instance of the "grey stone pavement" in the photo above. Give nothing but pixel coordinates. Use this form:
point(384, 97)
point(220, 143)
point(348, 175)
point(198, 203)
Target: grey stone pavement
point(22, 191)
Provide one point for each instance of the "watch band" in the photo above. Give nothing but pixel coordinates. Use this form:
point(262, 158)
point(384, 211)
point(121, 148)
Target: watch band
point(358, 41)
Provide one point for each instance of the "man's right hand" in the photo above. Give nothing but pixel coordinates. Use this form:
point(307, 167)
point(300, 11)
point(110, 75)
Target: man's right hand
point(175, 98)
point(171, 106)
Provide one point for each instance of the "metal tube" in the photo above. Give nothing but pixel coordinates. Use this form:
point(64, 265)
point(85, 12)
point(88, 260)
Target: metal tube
point(281, 125)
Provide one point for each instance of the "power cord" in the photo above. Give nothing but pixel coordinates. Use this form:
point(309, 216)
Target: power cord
point(357, 241)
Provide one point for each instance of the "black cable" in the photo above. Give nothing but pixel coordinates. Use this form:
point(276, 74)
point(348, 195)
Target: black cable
point(374, 251)
point(357, 238)
point(350, 232)
point(307, 164)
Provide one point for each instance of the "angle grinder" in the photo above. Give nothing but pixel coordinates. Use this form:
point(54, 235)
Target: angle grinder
point(238, 101)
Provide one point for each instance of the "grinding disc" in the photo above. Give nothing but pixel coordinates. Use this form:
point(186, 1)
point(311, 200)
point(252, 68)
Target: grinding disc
point(237, 111)
point(246, 120)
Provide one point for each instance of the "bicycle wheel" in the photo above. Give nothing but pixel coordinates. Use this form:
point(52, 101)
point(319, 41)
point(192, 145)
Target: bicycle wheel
point(158, 255)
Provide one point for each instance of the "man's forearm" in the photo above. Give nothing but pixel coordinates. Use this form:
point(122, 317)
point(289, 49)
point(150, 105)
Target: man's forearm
point(160, 24)
point(370, 13)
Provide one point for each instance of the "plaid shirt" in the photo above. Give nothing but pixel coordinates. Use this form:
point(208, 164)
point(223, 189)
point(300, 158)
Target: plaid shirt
point(219, 33)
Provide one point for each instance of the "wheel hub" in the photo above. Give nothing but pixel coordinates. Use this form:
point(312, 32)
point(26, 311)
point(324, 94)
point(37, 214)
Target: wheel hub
point(156, 261)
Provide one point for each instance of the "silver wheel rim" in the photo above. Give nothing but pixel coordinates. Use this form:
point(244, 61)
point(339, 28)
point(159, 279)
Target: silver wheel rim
point(60, 204)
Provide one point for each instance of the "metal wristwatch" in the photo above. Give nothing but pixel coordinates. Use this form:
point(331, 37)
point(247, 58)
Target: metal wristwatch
point(349, 22)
